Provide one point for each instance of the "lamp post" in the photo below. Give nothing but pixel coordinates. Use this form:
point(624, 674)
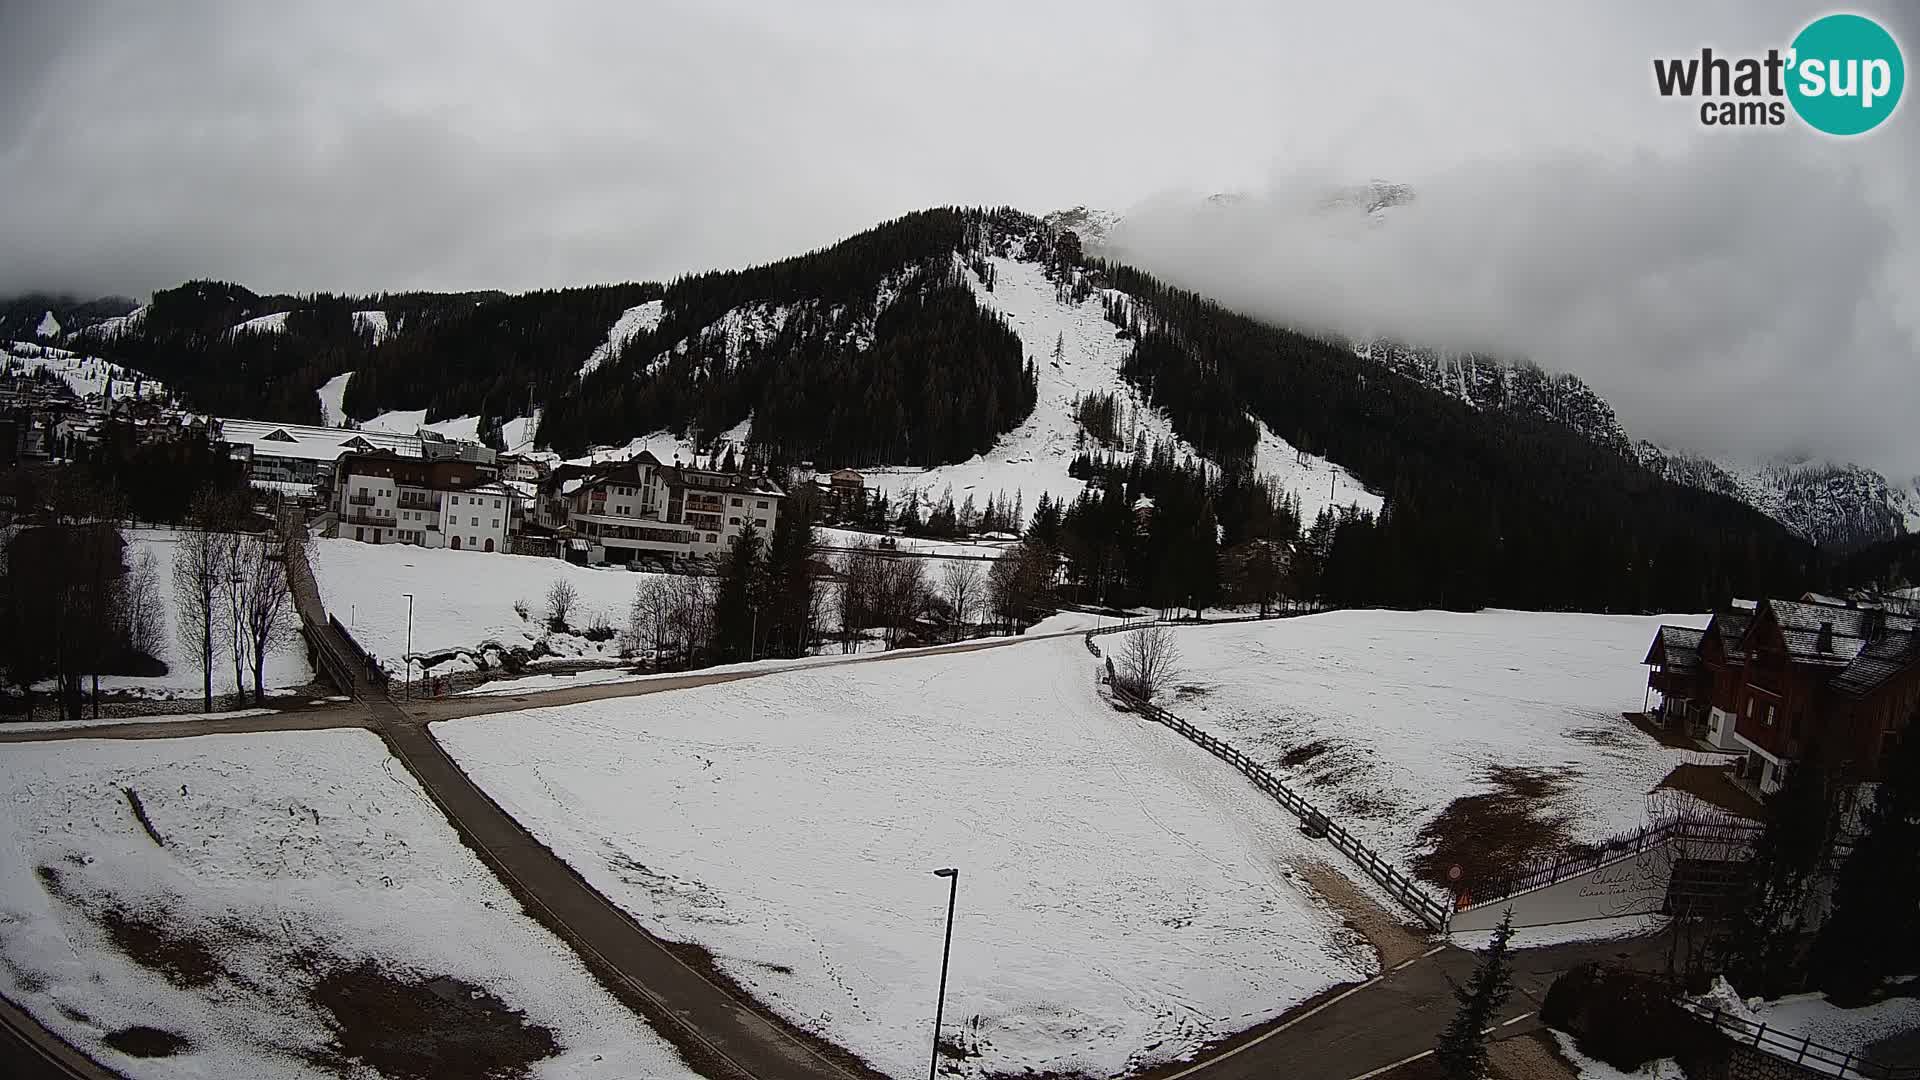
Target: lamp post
point(409, 658)
point(953, 889)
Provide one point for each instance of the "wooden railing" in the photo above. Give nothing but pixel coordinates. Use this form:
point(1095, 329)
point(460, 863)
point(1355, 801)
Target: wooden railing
point(1799, 1050)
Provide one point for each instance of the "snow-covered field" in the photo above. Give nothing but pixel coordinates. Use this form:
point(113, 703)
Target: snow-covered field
point(984, 549)
point(1812, 1016)
point(461, 599)
point(288, 858)
point(1400, 713)
point(1123, 898)
point(285, 669)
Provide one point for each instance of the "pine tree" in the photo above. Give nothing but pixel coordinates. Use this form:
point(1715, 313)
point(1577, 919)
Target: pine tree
point(735, 605)
point(1874, 929)
point(1462, 1053)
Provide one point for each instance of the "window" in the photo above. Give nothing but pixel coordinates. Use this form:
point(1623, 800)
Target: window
point(1769, 716)
point(736, 502)
point(733, 521)
point(712, 539)
point(1749, 708)
point(475, 521)
point(496, 523)
point(761, 505)
point(496, 504)
point(455, 499)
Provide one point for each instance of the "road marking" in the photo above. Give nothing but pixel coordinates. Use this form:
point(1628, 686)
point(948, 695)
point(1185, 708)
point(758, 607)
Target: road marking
point(1414, 960)
point(1327, 1004)
point(1384, 1069)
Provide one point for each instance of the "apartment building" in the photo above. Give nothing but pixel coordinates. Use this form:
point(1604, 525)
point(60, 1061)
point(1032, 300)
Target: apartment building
point(641, 508)
point(384, 498)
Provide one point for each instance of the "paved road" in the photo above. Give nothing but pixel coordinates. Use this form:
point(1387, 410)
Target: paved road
point(31, 1052)
point(1399, 1015)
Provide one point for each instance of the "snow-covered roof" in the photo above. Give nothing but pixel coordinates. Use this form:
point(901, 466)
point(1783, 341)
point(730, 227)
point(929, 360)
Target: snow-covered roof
point(309, 443)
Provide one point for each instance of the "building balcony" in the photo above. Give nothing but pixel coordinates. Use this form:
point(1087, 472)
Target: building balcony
point(360, 518)
point(360, 500)
point(417, 503)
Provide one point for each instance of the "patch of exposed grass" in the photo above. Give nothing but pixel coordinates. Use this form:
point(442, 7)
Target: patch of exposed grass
point(410, 1027)
point(147, 1042)
point(1496, 832)
point(1305, 752)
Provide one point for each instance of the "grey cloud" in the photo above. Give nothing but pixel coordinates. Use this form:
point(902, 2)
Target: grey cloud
point(1752, 291)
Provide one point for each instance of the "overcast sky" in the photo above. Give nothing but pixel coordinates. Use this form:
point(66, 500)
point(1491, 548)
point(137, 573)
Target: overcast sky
point(1745, 292)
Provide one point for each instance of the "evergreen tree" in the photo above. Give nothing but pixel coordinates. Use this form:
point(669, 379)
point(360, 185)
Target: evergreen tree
point(787, 622)
point(1874, 929)
point(736, 602)
point(1462, 1053)
point(1760, 947)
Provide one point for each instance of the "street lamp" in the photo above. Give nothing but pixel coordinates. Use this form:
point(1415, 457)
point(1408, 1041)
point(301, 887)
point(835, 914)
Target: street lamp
point(409, 658)
point(953, 877)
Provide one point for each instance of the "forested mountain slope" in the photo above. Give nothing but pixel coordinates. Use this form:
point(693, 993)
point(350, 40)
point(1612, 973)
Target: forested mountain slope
point(892, 348)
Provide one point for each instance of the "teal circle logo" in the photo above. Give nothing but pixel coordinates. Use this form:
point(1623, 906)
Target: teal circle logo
point(1845, 74)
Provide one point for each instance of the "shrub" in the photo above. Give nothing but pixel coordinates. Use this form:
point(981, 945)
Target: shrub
point(1626, 1018)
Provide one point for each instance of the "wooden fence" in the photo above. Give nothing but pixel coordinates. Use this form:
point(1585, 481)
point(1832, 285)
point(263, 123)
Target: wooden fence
point(1799, 1050)
point(1398, 885)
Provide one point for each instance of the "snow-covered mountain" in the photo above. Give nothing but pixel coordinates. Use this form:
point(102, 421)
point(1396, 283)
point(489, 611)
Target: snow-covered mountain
point(1063, 330)
point(1838, 505)
point(1515, 387)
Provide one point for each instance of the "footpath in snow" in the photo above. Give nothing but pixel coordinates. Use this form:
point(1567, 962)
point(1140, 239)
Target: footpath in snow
point(1123, 899)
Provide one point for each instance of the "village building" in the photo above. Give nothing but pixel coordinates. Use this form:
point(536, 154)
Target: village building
point(1773, 679)
point(381, 497)
point(642, 509)
point(302, 455)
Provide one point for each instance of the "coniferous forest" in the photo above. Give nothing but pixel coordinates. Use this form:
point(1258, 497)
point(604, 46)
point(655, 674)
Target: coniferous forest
point(876, 351)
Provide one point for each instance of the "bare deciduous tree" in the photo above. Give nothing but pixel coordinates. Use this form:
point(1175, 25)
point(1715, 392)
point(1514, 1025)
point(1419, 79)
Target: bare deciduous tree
point(199, 568)
point(960, 581)
point(143, 622)
point(269, 623)
point(1147, 660)
point(650, 618)
point(562, 598)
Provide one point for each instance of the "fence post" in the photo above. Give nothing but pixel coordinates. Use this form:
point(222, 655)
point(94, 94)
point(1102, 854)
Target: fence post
point(1757, 1034)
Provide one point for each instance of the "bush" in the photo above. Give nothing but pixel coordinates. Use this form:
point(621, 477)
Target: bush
point(562, 598)
point(520, 608)
point(1626, 1018)
point(600, 630)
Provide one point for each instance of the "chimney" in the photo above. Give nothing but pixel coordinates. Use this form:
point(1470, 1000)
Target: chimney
point(1826, 637)
point(1876, 623)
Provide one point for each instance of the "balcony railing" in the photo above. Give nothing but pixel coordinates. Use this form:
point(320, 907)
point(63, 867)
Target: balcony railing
point(360, 518)
point(360, 500)
point(417, 503)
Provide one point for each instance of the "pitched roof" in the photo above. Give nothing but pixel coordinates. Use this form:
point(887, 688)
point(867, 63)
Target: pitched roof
point(1677, 648)
point(1834, 634)
point(310, 443)
point(1897, 651)
point(1731, 628)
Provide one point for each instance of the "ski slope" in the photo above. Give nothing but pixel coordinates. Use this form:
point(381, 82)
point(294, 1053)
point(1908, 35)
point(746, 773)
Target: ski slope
point(636, 320)
point(1033, 458)
point(1124, 898)
point(332, 393)
point(86, 376)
